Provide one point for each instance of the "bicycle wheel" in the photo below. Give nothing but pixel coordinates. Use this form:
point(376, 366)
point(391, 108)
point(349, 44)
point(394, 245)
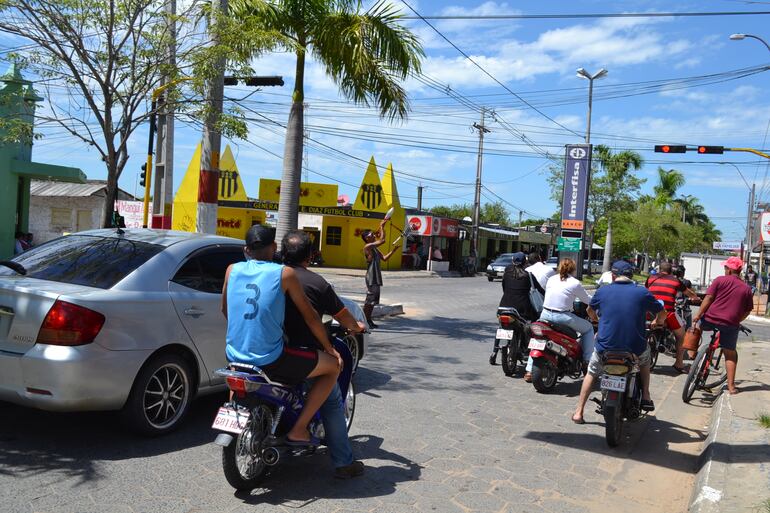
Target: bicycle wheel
point(717, 371)
point(697, 375)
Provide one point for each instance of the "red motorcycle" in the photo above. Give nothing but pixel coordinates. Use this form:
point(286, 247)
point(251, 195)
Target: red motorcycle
point(555, 352)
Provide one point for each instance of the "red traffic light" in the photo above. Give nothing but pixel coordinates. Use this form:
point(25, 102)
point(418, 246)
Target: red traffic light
point(669, 148)
point(711, 149)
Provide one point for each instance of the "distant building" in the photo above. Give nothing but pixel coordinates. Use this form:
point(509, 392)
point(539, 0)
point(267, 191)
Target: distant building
point(57, 208)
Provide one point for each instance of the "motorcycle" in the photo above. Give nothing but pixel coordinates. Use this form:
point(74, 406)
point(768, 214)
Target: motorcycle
point(468, 267)
point(621, 393)
point(254, 422)
point(511, 338)
point(661, 340)
point(555, 351)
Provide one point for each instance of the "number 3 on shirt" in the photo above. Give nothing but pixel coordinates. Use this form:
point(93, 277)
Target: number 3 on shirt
point(252, 301)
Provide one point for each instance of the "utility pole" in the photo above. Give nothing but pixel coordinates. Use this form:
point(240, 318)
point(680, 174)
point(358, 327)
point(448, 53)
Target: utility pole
point(306, 146)
point(477, 199)
point(206, 219)
point(748, 224)
point(520, 215)
point(419, 197)
point(163, 199)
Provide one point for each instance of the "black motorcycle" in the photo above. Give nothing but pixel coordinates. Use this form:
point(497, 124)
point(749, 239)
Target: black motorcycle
point(661, 340)
point(621, 393)
point(512, 338)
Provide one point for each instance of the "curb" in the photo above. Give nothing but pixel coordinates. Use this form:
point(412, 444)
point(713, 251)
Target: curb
point(758, 319)
point(388, 310)
point(712, 473)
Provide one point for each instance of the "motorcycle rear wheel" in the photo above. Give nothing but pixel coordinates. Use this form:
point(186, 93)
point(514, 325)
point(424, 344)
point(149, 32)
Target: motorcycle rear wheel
point(544, 375)
point(613, 424)
point(242, 460)
point(652, 342)
point(510, 359)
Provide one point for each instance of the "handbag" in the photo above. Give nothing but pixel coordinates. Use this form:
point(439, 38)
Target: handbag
point(692, 338)
point(535, 297)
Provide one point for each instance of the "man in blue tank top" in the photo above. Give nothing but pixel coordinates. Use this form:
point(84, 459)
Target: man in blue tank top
point(253, 301)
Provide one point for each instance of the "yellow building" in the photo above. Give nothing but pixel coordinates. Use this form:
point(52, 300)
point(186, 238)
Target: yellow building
point(339, 232)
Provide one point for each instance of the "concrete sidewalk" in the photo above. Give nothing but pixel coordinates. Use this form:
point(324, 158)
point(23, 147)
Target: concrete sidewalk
point(734, 475)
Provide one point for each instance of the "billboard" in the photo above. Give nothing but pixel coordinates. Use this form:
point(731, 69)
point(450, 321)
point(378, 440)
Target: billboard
point(764, 226)
point(577, 171)
point(734, 245)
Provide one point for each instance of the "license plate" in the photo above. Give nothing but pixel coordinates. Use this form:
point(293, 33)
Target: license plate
point(504, 334)
point(230, 420)
point(536, 344)
point(614, 383)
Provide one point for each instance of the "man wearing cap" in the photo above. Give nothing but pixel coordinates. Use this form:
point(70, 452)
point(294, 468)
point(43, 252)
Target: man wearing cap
point(253, 302)
point(622, 308)
point(727, 303)
point(374, 258)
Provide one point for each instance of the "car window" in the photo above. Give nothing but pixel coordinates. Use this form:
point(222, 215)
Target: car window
point(85, 260)
point(189, 275)
point(214, 264)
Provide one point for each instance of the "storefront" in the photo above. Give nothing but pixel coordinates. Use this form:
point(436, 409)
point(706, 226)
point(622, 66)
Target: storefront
point(434, 239)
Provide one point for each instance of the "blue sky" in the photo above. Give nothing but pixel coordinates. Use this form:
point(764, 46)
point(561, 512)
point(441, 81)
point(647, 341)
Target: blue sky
point(536, 59)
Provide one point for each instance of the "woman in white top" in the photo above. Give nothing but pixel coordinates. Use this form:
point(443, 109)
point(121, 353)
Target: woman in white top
point(561, 291)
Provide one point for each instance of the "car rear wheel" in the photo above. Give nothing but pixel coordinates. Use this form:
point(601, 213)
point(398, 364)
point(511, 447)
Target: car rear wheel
point(161, 395)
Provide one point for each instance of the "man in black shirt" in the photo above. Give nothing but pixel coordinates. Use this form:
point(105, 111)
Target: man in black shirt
point(296, 250)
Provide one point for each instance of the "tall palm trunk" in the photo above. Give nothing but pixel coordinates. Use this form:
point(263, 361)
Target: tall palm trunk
point(288, 204)
point(608, 247)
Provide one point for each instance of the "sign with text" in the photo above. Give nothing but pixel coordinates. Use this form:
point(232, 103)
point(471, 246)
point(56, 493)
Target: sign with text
point(577, 171)
point(731, 245)
point(420, 225)
point(132, 212)
point(569, 244)
point(764, 226)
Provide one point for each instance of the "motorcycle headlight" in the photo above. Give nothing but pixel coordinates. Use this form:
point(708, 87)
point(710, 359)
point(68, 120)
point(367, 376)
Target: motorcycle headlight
point(616, 369)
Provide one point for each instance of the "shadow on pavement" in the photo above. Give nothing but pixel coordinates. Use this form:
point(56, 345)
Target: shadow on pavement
point(34, 442)
point(297, 482)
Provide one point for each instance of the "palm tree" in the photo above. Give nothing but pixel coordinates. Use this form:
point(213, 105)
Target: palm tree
point(366, 54)
point(692, 211)
point(668, 183)
point(615, 188)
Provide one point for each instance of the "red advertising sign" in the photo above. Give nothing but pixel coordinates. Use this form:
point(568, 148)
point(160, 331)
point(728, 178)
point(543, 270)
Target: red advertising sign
point(437, 226)
point(445, 227)
point(420, 225)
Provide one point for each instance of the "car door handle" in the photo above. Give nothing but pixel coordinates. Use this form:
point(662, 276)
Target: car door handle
point(193, 312)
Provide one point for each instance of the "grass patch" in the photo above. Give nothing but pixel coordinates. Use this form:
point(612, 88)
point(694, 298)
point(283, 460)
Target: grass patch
point(764, 421)
point(764, 506)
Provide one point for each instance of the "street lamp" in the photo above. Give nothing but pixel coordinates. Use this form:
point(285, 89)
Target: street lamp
point(582, 73)
point(741, 37)
point(752, 192)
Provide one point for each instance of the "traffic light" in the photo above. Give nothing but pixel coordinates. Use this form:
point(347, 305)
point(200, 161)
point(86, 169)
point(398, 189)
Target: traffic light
point(143, 176)
point(711, 149)
point(670, 148)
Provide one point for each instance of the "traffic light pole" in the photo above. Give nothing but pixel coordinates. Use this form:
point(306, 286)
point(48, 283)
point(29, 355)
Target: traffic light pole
point(148, 171)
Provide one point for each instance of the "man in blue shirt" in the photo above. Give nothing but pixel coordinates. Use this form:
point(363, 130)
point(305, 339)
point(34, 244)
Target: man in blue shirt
point(622, 308)
point(253, 301)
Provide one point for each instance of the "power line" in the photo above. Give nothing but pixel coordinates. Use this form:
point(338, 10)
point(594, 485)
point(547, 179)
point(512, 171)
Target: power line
point(577, 16)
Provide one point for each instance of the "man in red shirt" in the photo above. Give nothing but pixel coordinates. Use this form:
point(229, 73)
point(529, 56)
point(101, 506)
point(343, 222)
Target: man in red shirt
point(728, 302)
point(665, 286)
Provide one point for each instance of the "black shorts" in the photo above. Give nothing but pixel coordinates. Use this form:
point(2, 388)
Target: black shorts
point(728, 335)
point(292, 367)
point(372, 295)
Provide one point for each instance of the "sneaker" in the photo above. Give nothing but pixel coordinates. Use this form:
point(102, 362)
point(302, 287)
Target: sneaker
point(355, 469)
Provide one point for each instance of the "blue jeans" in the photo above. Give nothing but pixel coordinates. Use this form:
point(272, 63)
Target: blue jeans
point(582, 326)
point(333, 417)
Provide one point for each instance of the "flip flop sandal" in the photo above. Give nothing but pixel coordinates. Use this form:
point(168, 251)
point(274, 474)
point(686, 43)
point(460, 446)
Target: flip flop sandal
point(313, 442)
point(682, 370)
point(578, 421)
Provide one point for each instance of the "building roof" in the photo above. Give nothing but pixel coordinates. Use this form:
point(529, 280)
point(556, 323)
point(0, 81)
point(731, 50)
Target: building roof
point(499, 231)
point(71, 190)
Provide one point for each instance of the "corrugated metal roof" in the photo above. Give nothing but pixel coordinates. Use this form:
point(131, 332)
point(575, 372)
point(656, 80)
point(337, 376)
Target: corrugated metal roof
point(50, 188)
point(499, 231)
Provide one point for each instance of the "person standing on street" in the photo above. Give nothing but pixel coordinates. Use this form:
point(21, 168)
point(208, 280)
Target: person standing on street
point(297, 250)
point(374, 258)
point(751, 279)
point(727, 303)
point(665, 287)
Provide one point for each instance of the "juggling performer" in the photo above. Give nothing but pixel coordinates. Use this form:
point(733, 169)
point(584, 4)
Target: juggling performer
point(374, 259)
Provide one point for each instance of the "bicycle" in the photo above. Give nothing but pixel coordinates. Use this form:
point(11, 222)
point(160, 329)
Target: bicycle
point(708, 362)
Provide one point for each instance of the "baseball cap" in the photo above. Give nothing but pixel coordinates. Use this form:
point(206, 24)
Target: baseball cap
point(734, 263)
point(260, 236)
point(518, 258)
point(623, 268)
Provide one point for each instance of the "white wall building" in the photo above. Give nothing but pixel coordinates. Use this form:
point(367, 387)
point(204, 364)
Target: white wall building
point(57, 208)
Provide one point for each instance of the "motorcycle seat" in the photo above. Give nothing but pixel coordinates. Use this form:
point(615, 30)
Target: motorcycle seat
point(561, 328)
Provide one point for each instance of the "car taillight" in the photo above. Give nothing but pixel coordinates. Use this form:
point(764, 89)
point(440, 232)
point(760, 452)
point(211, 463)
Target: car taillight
point(505, 320)
point(66, 324)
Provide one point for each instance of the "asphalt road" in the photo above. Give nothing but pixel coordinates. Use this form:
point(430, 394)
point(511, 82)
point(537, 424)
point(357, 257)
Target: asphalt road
point(437, 427)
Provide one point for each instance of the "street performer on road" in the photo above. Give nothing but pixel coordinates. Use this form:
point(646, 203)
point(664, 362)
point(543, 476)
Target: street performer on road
point(374, 258)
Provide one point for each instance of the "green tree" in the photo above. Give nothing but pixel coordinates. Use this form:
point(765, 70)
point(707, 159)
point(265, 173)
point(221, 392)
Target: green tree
point(493, 213)
point(669, 181)
point(366, 53)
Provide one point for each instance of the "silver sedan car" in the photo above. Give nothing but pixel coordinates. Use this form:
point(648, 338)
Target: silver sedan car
point(129, 321)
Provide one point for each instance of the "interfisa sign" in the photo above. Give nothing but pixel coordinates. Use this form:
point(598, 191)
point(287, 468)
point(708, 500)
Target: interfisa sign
point(576, 180)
